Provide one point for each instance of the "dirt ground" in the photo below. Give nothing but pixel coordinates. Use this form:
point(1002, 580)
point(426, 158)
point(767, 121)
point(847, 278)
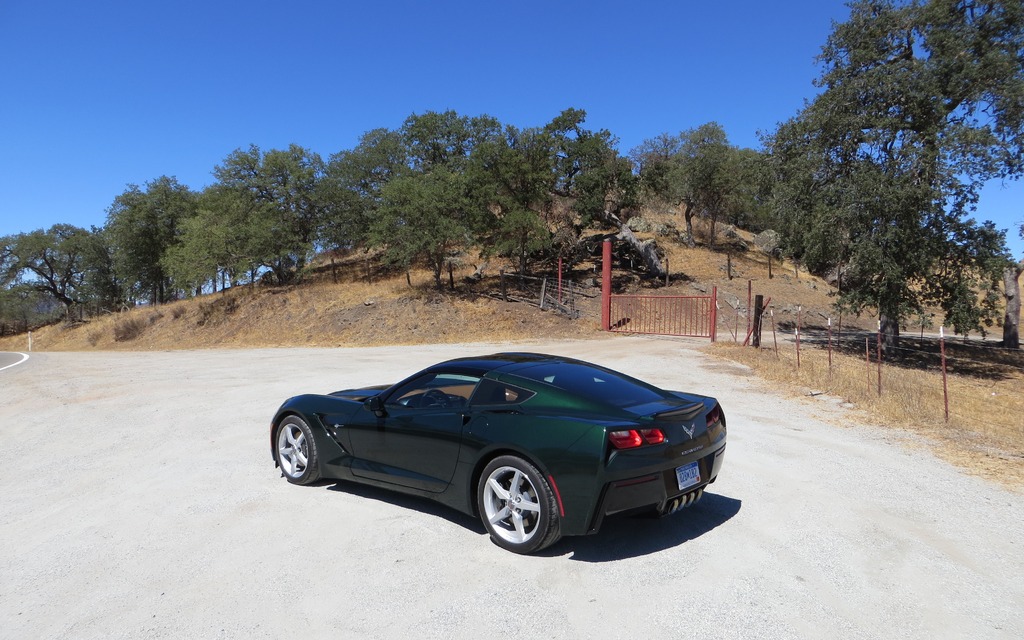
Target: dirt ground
point(139, 500)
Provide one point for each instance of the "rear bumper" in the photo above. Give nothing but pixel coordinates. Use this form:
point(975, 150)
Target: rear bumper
point(657, 491)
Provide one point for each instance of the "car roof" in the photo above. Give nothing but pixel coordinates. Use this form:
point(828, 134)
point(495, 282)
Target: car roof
point(508, 362)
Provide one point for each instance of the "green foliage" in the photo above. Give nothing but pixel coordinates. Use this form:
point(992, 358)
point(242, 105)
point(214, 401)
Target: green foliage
point(23, 307)
point(504, 190)
point(352, 184)
point(514, 175)
point(445, 139)
point(921, 103)
point(23, 303)
point(8, 260)
point(280, 202)
point(701, 172)
point(425, 216)
point(51, 261)
point(101, 287)
point(589, 171)
point(141, 227)
point(230, 238)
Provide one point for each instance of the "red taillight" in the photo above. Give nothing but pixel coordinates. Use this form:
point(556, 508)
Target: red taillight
point(634, 438)
point(714, 415)
point(653, 436)
point(625, 439)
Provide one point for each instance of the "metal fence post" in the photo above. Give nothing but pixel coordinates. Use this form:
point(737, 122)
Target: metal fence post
point(879, 347)
point(714, 314)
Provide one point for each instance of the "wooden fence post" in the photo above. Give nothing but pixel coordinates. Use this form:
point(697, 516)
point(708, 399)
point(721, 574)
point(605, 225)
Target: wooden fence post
point(830, 349)
point(867, 361)
point(755, 340)
point(749, 318)
point(945, 390)
point(606, 285)
point(799, 308)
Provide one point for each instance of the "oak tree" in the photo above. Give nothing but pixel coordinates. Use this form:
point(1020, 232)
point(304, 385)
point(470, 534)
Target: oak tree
point(921, 103)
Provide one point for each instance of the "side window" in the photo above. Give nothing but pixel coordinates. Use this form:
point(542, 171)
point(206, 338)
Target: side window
point(435, 391)
point(490, 392)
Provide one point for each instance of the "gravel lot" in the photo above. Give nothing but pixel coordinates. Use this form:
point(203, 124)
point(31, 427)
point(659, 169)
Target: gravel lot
point(138, 500)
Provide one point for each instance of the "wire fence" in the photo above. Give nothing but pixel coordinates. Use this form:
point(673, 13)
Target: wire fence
point(548, 293)
point(959, 382)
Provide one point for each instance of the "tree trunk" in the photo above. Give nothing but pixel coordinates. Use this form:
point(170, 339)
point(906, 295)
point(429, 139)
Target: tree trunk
point(890, 329)
point(438, 267)
point(688, 217)
point(1011, 291)
point(648, 251)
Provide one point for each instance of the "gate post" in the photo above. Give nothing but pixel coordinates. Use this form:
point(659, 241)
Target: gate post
point(606, 286)
point(714, 314)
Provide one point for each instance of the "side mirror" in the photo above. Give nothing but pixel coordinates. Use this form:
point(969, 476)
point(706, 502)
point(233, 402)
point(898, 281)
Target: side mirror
point(376, 405)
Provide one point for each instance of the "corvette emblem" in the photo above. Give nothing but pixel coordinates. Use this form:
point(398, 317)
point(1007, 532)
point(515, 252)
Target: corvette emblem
point(689, 432)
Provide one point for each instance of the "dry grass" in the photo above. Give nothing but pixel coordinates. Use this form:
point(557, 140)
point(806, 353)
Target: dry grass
point(125, 330)
point(985, 432)
point(320, 312)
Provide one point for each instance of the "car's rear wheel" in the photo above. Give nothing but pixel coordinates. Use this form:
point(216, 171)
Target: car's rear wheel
point(517, 506)
point(296, 451)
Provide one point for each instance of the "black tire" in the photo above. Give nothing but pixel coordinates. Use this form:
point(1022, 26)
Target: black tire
point(518, 509)
point(296, 451)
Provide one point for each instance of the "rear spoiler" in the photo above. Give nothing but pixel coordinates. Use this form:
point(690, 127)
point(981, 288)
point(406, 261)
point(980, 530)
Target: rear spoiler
point(683, 414)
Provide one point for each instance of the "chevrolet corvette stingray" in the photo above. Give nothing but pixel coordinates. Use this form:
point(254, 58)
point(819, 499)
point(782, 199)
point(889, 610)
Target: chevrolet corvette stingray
point(537, 446)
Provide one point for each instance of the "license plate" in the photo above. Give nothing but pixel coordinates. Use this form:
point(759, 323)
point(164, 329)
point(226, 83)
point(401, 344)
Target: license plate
point(688, 475)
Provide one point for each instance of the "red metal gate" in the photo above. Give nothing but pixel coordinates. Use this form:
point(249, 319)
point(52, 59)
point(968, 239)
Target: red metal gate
point(664, 315)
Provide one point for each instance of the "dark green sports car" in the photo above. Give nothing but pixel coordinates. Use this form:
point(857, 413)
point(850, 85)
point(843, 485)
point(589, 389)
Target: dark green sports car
point(538, 446)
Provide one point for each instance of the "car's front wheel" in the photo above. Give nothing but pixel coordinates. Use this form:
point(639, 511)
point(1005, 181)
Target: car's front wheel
point(517, 506)
point(296, 451)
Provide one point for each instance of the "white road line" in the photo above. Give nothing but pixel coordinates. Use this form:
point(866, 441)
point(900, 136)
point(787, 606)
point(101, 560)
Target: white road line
point(24, 357)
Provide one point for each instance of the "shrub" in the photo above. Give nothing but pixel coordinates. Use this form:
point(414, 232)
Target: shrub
point(128, 329)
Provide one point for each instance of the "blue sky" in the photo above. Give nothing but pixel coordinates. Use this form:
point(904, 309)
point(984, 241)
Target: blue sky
point(95, 96)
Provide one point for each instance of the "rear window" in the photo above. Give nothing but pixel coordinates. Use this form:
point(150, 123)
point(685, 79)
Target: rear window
point(490, 392)
point(594, 384)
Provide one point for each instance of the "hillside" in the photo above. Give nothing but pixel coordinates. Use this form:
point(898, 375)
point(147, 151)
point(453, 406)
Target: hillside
point(355, 303)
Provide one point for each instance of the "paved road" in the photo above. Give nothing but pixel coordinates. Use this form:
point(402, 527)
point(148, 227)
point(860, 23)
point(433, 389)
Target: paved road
point(138, 500)
point(9, 359)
